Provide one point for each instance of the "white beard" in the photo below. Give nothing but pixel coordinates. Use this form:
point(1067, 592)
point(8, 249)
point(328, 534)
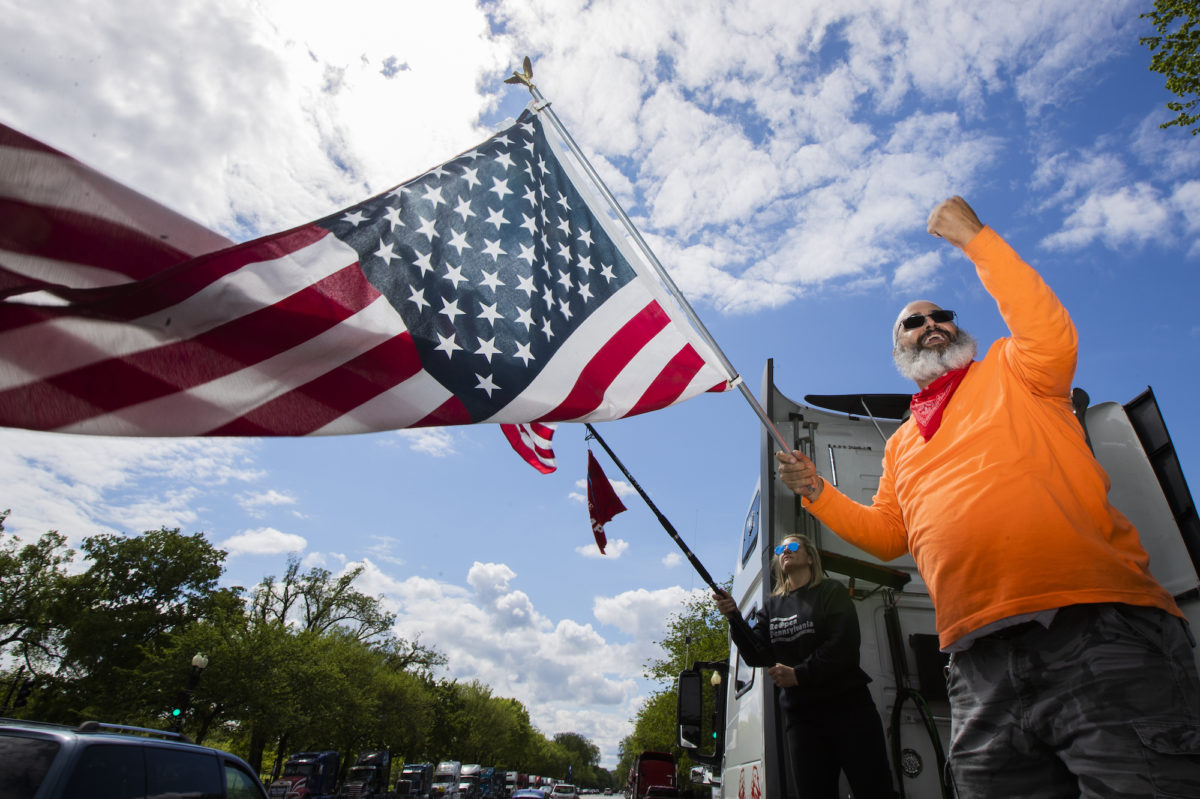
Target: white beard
point(923, 365)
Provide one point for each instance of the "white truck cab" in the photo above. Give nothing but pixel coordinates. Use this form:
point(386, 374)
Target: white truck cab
point(727, 710)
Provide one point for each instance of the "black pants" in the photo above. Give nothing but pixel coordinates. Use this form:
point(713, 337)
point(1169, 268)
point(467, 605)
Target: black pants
point(844, 735)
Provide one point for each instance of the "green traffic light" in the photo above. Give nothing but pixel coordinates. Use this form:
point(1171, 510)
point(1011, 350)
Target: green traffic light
point(176, 712)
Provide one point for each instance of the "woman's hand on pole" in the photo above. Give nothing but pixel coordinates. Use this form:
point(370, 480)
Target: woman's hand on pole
point(783, 676)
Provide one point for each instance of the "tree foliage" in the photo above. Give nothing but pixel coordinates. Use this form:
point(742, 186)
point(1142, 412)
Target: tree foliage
point(1176, 51)
point(697, 632)
point(300, 662)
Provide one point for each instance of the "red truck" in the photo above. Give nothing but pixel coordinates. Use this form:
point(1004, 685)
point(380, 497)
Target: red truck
point(650, 769)
point(307, 775)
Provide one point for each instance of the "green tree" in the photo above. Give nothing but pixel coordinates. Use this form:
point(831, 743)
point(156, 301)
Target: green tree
point(319, 602)
point(1176, 51)
point(697, 631)
point(118, 617)
point(31, 586)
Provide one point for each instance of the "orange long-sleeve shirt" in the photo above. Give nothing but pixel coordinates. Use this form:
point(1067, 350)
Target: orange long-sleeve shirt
point(1004, 509)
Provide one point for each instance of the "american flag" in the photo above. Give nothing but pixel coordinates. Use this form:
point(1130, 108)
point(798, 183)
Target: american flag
point(485, 290)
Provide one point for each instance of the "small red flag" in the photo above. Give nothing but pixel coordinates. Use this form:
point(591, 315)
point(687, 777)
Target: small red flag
point(603, 502)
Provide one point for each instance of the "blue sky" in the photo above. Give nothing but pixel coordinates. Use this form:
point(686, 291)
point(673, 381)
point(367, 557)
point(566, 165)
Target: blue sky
point(781, 159)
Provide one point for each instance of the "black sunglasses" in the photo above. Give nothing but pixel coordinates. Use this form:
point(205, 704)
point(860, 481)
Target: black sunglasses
point(918, 319)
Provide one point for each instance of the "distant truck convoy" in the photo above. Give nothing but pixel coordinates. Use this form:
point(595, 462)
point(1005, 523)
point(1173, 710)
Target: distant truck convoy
point(731, 726)
point(307, 775)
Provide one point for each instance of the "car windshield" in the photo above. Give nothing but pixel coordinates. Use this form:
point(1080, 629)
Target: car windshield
point(26, 761)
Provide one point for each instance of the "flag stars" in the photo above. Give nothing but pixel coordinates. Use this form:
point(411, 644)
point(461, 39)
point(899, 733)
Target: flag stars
point(585, 292)
point(486, 384)
point(565, 226)
point(496, 218)
point(607, 273)
point(505, 160)
point(471, 176)
point(564, 307)
point(489, 313)
point(426, 229)
point(493, 249)
point(355, 218)
point(500, 188)
point(548, 297)
point(531, 197)
point(458, 240)
point(451, 310)
point(463, 209)
point(424, 262)
point(529, 224)
point(525, 317)
point(447, 344)
point(487, 348)
point(454, 275)
point(585, 236)
point(524, 353)
point(565, 281)
point(386, 252)
point(492, 279)
point(527, 252)
point(562, 201)
point(418, 297)
point(526, 285)
point(434, 195)
point(547, 329)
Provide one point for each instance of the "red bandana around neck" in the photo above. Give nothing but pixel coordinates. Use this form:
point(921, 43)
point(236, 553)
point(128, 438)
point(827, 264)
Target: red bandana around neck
point(928, 403)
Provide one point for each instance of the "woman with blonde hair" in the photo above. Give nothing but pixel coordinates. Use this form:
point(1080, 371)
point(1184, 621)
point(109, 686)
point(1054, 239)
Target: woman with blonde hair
point(807, 637)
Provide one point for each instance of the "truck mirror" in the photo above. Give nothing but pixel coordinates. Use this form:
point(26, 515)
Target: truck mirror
point(690, 709)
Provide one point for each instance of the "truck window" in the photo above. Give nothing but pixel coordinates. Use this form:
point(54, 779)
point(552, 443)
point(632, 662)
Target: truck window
point(26, 761)
point(750, 531)
point(239, 784)
point(108, 771)
point(743, 672)
point(178, 774)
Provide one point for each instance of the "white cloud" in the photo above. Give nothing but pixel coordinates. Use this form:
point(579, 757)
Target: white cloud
point(254, 503)
point(569, 673)
point(672, 559)
point(1130, 216)
point(82, 485)
point(263, 541)
point(613, 549)
point(435, 441)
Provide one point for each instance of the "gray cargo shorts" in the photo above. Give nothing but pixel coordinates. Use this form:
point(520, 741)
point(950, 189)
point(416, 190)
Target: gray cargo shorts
point(1104, 703)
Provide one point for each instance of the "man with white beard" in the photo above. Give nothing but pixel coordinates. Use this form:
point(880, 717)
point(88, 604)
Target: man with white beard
point(1071, 670)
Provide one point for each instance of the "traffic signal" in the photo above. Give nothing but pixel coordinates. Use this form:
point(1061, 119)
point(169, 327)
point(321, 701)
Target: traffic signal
point(182, 700)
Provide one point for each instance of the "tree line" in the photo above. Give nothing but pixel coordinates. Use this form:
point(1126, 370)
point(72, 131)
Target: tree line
point(302, 661)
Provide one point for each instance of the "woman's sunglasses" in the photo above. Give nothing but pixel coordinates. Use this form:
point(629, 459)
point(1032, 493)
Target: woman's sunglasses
point(918, 319)
point(790, 546)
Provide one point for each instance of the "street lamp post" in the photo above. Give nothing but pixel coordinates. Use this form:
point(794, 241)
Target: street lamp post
point(199, 664)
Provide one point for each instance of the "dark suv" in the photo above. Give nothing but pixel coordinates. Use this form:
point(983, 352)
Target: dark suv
point(111, 761)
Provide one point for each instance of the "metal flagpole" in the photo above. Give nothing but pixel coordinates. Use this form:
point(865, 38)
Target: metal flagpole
point(736, 619)
point(525, 78)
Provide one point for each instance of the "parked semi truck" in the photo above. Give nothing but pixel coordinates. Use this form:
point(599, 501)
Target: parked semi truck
point(307, 775)
point(415, 781)
point(445, 779)
point(369, 777)
point(729, 722)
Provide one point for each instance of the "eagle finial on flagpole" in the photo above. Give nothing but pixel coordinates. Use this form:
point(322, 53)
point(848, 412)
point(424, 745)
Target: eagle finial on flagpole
point(525, 78)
